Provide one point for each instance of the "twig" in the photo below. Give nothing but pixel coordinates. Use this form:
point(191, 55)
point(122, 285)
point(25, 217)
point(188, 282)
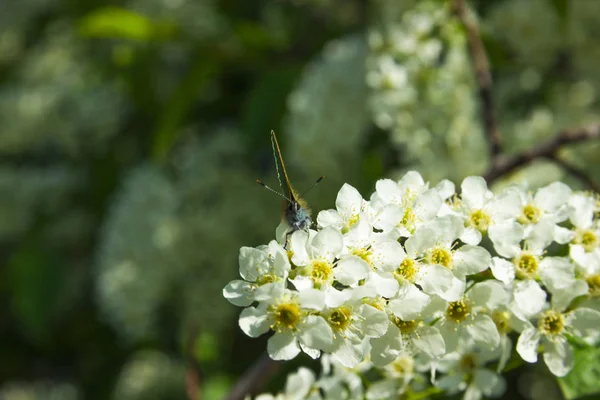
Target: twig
point(255, 377)
point(483, 75)
point(548, 149)
point(193, 375)
point(577, 173)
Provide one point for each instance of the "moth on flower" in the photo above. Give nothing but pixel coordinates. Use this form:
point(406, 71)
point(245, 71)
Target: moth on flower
point(296, 211)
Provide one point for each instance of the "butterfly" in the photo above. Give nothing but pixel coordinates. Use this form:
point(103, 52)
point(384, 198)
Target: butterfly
point(295, 210)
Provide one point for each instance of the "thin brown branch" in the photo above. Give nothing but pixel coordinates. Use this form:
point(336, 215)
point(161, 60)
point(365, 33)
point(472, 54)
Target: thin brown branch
point(548, 149)
point(255, 377)
point(483, 75)
point(577, 173)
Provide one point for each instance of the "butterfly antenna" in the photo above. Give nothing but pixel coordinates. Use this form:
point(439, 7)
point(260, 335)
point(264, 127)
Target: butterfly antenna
point(312, 186)
point(261, 183)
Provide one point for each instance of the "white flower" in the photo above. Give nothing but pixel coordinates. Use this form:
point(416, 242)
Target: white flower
point(466, 373)
point(299, 385)
point(481, 209)
point(349, 205)
point(551, 330)
point(292, 316)
point(466, 319)
point(261, 268)
point(314, 255)
point(397, 377)
point(585, 239)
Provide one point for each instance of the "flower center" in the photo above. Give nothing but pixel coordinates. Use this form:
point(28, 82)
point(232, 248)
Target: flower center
point(404, 365)
point(587, 239)
point(441, 256)
point(267, 278)
point(551, 323)
point(340, 318)
point(351, 221)
point(409, 218)
point(375, 303)
point(406, 270)
point(468, 363)
point(286, 315)
point(502, 319)
point(531, 215)
point(480, 220)
point(594, 285)
point(405, 327)
point(458, 311)
point(527, 265)
point(320, 272)
point(363, 253)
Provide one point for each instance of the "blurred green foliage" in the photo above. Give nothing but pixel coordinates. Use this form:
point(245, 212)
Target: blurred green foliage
point(131, 132)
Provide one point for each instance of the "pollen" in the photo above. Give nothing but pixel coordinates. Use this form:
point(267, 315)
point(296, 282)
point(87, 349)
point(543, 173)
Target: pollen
point(267, 278)
point(404, 365)
point(320, 272)
point(587, 239)
point(593, 282)
point(340, 318)
point(441, 256)
point(286, 315)
point(531, 215)
point(551, 323)
point(527, 265)
point(502, 321)
point(405, 327)
point(409, 218)
point(479, 220)
point(406, 270)
point(458, 311)
point(363, 253)
point(351, 221)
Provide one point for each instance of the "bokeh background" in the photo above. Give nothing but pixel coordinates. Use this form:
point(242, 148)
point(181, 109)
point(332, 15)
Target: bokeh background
point(132, 131)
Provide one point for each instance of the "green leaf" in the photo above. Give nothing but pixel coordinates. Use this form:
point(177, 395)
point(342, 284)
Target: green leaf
point(584, 379)
point(115, 22)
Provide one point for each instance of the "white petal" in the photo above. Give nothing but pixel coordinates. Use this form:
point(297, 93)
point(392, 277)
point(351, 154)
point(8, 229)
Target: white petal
point(389, 217)
point(330, 218)
point(423, 239)
point(253, 263)
point(445, 189)
point(435, 279)
point(562, 235)
point(239, 293)
point(507, 238)
point(583, 210)
point(503, 270)
point(529, 297)
point(327, 244)
point(335, 298)
point(489, 294)
point(556, 273)
point(430, 341)
point(474, 192)
point(410, 303)
point(471, 236)
point(505, 352)
point(506, 205)
point(311, 298)
point(428, 204)
point(312, 353)
point(469, 260)
point(385, 283)
point(382, 390)
point(283, 346)
point(551, 197)
point(489, 383)
point(585, 322)
point(387, 255)
point(386, 348)
point(350, 270)
point(558, 356)
point(483, 331)
point(527, 344)
point(298, 244)
point(254, 321)
point(561, 299)
point(374, 322)
point(348, 202)
point(348, 354)
point(316, 333)
point(300, 382)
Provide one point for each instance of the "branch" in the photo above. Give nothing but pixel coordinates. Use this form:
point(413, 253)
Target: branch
point(577, 173)
point(548, 149)
point(255, 377)
point(483, 75)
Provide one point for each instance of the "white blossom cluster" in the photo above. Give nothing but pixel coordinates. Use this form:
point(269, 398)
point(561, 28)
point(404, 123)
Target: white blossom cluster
point(423, 90)
point(419, 278)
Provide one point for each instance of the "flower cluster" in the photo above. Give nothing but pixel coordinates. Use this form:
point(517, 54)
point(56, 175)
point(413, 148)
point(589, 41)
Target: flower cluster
point(419, 278)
